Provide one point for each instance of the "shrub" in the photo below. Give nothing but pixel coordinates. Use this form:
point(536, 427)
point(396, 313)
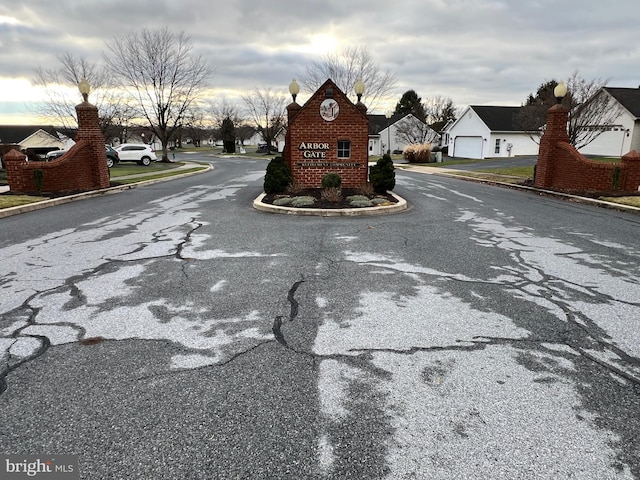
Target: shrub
point(302, 201)
point(380, 201)
point(383, 175)
point(332, 194)
point(365, 189)
point(417, 153)
point(281, 202)
point(294, 188)
point(352, 198)
point(278, 176)
point(331, 180)
point(38, 179)
point(361, 203)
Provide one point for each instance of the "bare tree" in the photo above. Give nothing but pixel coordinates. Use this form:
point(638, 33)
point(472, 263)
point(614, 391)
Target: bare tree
point(439, 109)
point(267, 111)
point(61, 88)
point(590, 111)
point(344, 68)
point(162, 74)
point(225, 110)
point(411, 130)
point(244, 132)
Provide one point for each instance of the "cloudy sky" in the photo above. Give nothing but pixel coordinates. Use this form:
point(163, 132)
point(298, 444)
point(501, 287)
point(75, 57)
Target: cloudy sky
point(492, 52)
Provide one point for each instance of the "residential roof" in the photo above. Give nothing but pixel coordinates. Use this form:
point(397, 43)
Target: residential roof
point(629, 98)
point(14, 134)
point(377, 123)
point(498, 119)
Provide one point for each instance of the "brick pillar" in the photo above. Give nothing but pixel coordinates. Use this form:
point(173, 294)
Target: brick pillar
point(631, 167)
point(13, 159)
point(556, 131)
point(89, 130)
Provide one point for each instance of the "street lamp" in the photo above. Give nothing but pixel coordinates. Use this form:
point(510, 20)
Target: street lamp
point(84, 88)
point(388, 115)
point(559, 92)
point(358, 88)
point(294, 89)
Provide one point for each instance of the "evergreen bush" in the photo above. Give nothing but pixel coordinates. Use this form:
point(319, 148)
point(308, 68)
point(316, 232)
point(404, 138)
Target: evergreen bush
point(331, 180)
point(278, 176)
point(382, 175)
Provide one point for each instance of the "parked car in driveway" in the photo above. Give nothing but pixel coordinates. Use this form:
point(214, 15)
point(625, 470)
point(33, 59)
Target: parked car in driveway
point(54, 154)
point(112, 155)
point(140, 153)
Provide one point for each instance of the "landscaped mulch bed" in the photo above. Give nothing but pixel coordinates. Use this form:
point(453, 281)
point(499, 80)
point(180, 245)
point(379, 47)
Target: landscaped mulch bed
point(316, 193)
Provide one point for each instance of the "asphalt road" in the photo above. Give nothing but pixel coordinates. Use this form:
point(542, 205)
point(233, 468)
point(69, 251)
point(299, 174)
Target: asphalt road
point(171, 331)
point(521, 161)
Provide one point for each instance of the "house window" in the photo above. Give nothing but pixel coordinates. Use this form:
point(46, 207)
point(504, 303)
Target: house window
point(497, 150)
point(344, 149)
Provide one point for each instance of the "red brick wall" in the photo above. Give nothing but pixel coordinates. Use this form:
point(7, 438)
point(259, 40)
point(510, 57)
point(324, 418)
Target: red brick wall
point(561, 167)
point(307, 126)
point(82, 168)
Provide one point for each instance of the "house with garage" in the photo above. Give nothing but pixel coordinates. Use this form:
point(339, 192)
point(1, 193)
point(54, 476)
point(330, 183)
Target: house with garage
point(484, 131)
point(398, 131)
point(37, 139)
point(623, 134)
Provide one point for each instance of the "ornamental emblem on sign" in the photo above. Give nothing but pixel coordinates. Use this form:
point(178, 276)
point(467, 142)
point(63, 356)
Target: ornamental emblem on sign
point(329, 109)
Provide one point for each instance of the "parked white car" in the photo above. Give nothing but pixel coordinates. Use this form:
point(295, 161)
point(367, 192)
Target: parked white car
point(136, 152)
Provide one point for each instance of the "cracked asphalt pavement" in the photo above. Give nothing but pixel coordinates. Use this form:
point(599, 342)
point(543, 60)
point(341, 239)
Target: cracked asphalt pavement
point(171, 331)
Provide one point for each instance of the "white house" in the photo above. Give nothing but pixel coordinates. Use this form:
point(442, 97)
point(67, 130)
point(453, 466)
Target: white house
point(488, 131)
point(624, 134)
point(397, 132)
point(39, 139)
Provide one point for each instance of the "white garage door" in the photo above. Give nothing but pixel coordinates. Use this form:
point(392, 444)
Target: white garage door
point(468, 147)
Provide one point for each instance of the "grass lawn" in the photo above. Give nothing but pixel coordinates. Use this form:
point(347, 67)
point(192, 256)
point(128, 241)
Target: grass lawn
point(631, 201)
point(7, 201)
point(524, 172)
point(132, 168)
point(124, 181)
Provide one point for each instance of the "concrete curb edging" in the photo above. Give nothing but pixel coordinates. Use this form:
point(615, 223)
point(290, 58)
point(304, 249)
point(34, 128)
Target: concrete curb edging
point(332, 212)
point(30, 207)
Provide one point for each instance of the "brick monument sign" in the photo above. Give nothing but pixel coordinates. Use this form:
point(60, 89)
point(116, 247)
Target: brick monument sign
point(328, 134)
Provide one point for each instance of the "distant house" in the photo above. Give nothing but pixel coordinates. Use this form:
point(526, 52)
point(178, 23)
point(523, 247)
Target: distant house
point(624, 134)
point(38, 139)
point(488, 131)
point(397, 132)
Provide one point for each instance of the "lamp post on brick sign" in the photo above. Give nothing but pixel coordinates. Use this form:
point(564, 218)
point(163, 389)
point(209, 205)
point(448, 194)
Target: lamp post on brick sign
point(560, 92)
point(84, 88)
point(294, 89)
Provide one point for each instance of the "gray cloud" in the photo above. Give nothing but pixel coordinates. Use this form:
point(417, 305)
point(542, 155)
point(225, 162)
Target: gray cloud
point(475, 51)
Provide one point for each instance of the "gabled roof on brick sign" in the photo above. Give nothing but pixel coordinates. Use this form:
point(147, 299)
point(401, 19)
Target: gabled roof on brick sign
point(320, 92)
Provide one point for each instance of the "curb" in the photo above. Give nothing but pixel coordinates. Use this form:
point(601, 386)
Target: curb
point(331, 212)
point(30, 207)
